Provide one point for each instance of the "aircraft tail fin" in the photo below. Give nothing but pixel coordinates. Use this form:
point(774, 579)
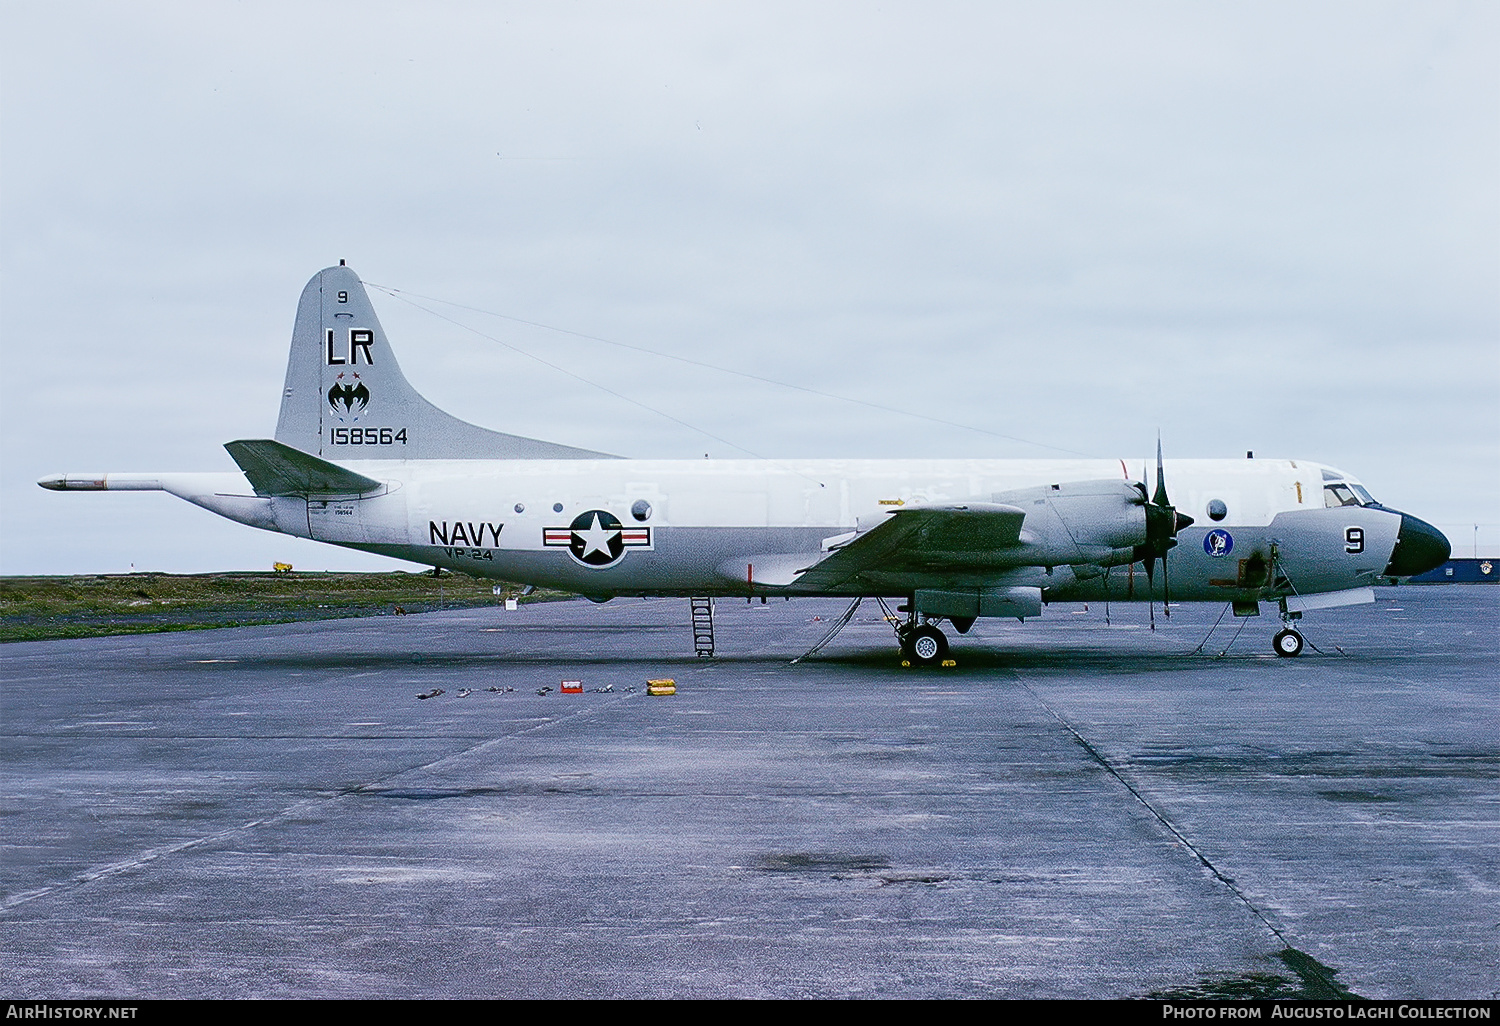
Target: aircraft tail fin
point(346, 398)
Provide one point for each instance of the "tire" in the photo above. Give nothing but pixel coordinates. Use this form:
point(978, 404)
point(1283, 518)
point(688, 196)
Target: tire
point(927, 646)
point(1287, 642)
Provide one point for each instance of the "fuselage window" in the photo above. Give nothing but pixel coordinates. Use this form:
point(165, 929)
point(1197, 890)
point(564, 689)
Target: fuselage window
point(1217, 510)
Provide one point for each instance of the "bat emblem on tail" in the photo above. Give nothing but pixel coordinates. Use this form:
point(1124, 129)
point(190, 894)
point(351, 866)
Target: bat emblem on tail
point(347, 398)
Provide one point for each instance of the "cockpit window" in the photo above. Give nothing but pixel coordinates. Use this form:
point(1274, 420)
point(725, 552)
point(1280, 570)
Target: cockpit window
point(1329, 475)
point(1335, 495)
point(1339, 491)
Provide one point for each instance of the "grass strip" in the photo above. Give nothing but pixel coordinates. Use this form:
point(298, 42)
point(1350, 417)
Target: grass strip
point(43, 608)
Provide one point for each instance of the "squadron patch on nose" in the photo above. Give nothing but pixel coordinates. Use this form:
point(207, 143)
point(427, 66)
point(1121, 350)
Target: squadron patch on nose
point(1218, 542)
point(597, 538)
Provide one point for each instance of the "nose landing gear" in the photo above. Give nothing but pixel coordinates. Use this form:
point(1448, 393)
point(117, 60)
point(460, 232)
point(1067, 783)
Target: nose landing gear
point(1287, 642)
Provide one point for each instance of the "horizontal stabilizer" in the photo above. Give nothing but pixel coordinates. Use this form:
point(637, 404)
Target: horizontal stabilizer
point(277, 469)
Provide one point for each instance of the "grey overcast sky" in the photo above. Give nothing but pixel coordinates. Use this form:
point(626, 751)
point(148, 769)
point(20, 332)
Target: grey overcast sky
point(1269, 226)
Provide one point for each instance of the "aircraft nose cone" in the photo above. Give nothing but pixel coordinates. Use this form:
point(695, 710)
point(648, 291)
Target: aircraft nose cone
point(1420, 547)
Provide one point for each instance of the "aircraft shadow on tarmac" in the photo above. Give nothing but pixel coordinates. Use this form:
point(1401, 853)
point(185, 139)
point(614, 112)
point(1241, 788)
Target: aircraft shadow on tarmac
point(1102, 660)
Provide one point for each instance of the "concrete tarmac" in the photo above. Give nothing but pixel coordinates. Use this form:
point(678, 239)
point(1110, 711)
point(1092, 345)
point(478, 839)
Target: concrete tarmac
point(1078, 809)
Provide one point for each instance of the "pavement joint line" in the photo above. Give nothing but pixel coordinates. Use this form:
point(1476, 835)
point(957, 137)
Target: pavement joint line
point(88, 876)
point(1098, 757)
point(107, 870)
point(550, 721)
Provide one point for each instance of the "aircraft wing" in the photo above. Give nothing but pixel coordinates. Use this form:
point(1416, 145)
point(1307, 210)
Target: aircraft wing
point(277, 469)
point(921, 538)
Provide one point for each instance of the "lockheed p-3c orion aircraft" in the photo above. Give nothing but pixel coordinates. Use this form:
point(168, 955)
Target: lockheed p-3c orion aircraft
point(360, 459)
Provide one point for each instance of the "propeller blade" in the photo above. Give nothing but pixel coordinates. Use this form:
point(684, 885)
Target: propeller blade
point(1160, 498)
point(1166, 588)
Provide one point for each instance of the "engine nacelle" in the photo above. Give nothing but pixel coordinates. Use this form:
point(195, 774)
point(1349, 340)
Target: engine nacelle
point(969, 603)
point(1081, 522)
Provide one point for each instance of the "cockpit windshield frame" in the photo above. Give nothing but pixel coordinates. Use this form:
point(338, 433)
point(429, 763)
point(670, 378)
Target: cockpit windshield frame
point(1341, 490)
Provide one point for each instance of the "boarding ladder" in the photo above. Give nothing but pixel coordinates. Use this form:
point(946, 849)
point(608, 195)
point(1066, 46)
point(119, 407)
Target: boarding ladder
point(703, 625)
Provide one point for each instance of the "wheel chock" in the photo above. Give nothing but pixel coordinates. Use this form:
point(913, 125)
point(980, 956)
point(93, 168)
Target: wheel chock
point(665, 686)
point(950, 662)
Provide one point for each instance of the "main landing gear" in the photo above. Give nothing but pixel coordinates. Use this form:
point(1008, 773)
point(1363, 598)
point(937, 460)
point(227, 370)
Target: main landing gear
point(922, 644)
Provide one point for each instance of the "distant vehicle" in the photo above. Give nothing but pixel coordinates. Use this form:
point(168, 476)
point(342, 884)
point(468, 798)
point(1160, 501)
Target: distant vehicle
point(361, 460)
point(1462, 570)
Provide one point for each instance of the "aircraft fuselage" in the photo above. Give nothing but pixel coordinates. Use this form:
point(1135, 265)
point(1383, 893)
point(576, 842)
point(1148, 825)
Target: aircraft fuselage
point(740, 527)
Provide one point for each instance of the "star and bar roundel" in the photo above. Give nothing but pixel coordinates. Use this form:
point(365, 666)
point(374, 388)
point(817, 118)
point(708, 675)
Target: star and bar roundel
point(597, 538)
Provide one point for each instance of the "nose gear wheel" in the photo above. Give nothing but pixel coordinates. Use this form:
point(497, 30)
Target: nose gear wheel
point(1287, 642)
